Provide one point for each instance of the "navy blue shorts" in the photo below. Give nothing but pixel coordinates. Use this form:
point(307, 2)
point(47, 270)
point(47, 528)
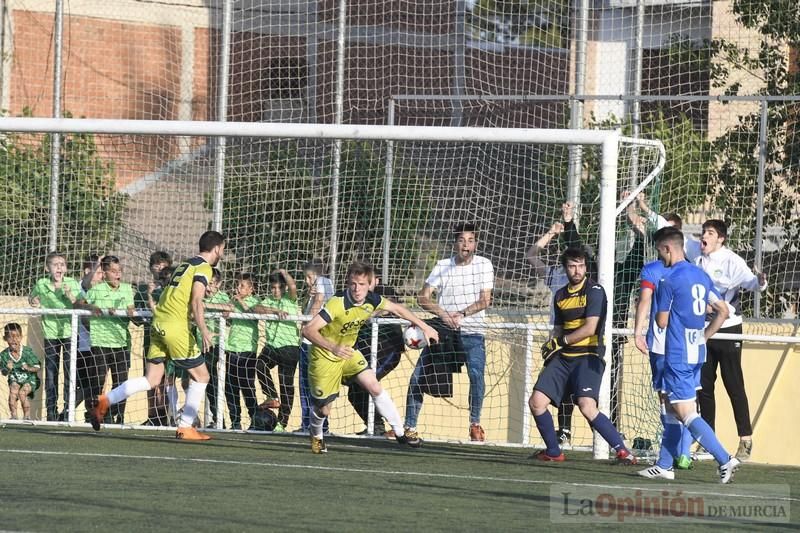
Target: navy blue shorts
point(579, 376)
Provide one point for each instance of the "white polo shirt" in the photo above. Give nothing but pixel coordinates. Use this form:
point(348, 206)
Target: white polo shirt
point(459, 286)
point(730, 274)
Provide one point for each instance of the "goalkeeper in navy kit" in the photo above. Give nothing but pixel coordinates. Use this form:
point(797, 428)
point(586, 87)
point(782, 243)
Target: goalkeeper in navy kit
point(573, 359)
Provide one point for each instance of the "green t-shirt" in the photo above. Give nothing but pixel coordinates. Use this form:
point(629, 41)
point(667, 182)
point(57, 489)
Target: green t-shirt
point(110, 331)
point(55, 327)
point(213, 323)
point(243, 335)
point(16, 374)
point(282, 333)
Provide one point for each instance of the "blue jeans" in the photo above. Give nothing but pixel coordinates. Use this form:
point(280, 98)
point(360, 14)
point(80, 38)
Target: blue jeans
point(475, 350)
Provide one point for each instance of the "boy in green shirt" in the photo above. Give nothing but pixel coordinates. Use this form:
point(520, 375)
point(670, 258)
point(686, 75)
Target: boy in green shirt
point(283, 345)
point(241, 347)
point(147, 295)
point(219, 300)
point(56, 291)
point(109, 333)
point(22, 367)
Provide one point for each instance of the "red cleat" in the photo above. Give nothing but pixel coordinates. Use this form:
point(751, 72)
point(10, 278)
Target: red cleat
point(541, 455)
point(626, 458)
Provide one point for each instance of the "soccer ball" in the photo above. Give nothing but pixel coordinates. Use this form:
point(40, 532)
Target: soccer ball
point(414, 338)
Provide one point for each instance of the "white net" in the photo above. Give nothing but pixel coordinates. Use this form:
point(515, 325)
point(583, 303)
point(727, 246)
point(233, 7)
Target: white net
point(716, 83)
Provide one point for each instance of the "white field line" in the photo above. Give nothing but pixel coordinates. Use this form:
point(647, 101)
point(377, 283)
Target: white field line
point(385, 472)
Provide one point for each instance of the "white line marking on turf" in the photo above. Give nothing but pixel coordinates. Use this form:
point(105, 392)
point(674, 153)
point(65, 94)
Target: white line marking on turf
point(385, 472)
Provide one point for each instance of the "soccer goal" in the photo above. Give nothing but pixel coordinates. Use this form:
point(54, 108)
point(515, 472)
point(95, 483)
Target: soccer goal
point(285, 194)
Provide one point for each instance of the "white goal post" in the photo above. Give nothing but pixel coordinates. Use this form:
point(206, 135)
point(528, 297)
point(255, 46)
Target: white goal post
point(607, 141)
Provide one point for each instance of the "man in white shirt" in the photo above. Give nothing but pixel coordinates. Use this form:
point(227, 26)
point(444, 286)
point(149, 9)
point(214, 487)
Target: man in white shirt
point(463, 284)
point(730, 274)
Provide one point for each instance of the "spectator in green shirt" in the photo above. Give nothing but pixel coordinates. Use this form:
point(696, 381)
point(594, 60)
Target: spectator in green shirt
point(283, 345)
point(147, 295)
point(21, 366)
point(109, 333)
point(241, 346)
point(215, 300)
point(56, 291)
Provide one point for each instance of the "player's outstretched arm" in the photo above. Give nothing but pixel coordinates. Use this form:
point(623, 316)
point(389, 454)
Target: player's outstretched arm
point(403, 312)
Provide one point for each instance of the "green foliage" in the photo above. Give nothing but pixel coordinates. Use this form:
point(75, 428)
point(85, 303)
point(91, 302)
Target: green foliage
point(273, 212)
point(90, 209)
point(276, 213)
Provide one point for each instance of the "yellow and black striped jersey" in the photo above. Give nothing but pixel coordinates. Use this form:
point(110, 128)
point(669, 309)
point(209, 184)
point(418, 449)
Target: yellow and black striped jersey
point(175, 300)
point(344, 319)
point(572, 306)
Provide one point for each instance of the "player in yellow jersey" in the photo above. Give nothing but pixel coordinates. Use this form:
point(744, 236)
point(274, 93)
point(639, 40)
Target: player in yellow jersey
point(172, 337)
point(334, 361)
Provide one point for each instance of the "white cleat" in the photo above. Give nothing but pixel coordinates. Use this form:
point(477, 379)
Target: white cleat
point(655, 472)
point(727, 470)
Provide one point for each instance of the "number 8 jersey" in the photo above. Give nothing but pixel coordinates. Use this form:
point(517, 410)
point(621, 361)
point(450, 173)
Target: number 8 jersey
point(686, 294)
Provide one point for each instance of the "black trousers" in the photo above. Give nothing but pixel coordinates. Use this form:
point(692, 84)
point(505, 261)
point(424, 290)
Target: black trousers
point(240, 379)
point(286, 359)
point(116, 360)
point(727, 355)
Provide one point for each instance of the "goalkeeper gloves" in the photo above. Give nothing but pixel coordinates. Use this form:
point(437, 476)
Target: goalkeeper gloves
point(552, 347)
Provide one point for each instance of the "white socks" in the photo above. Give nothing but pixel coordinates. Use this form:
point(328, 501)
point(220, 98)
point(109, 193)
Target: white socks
point(386, 407)
point(316, 424)
point(172, 400)
point(194, 395)
point(128, 389)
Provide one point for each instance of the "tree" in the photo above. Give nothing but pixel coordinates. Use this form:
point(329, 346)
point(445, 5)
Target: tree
point(277, 212)
point(778, 21)
point(90, 208)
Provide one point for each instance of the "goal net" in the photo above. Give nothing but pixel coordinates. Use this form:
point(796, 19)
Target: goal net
point(392, 200)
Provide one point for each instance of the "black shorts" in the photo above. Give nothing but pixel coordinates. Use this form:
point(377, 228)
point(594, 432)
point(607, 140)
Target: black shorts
point(579, 376)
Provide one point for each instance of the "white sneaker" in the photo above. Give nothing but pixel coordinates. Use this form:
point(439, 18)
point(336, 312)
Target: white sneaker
point(656, 471)
point(727, 470)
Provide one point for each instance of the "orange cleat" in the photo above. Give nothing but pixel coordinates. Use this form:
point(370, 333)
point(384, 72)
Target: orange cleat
point(541, 455)
point(99, 411)
point(190, 433)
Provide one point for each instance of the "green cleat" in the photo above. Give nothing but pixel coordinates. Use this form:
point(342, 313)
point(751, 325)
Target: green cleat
point(684, 462)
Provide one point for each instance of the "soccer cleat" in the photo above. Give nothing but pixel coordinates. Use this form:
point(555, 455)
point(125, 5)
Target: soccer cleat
point(727, 470)
point(476, 433)
point(656, 471)
point(99, 411)
point(190, 433)
point(626, 458)
point(279, 428)
point(541, 455)
point(318, 445)
point(564, 437)
point(744, 450)
point(684, 462)
point(411, 438)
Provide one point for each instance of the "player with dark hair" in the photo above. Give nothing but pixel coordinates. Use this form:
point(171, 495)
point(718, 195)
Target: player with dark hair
point(730, 275)
point(333, 360)
point(650, 340)
point(172, 338)
point(573, 359)
point(682, 301)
